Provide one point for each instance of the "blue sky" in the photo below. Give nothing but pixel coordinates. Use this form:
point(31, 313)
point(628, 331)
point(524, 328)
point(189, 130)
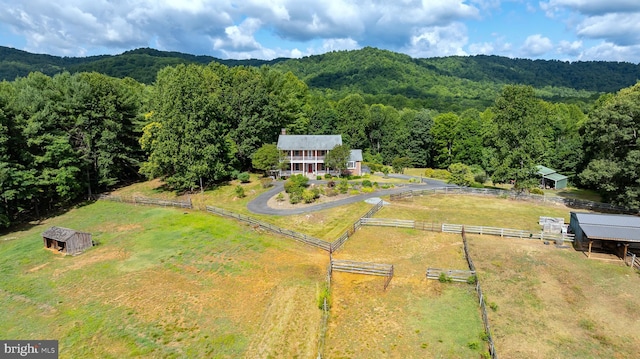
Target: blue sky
point(568, 30)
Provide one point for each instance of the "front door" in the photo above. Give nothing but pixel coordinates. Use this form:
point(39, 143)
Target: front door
point(310, 168)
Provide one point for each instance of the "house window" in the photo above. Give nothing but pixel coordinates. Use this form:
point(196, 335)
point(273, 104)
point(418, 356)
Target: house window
point(351, 165)
point(309, 153)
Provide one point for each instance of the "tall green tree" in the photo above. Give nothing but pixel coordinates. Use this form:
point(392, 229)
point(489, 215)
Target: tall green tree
point(612, 147)
point(522, 136)
point(337, 158)
point(190, 147)
point(445, 136)
point(353, 115)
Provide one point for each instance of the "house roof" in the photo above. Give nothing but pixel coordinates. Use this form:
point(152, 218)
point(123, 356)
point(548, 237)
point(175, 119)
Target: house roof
point(308, 142)
point(59, 234)
point(609, 226)
point(355, 155)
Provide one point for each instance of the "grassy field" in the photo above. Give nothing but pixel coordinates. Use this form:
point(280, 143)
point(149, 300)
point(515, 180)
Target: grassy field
point(473, 210)
point(180, 284)
point(556, 303)
point(162, 283)
point(414, 317)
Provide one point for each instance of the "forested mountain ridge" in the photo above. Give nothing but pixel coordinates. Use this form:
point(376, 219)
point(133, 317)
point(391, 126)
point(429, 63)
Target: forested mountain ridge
point(141, 64)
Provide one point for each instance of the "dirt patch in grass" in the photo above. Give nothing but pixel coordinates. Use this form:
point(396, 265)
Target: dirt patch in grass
point(554, 302)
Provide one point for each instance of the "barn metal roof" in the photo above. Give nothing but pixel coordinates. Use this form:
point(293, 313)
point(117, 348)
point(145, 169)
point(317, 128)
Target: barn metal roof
point(609, 226)
point(308, 142)
point(550, 173)
point(60, 234)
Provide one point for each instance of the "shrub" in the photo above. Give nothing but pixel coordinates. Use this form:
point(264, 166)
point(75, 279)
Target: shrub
point(472, 279)
point(479, 175)
point(330, 192)
point(354, 177)
point(493, 306)
point(366, 183)
point(308, 196)
point(319, 177)
point(536, 191)
point(331, 184)
point(295, 197)
point(316, 192)
point(367, 189)
point(428, 173)
point(244, 177)
point(343, 186)
point(443, 278)
point(327, 176)
point(385, 170)
point(375, 184)
point(354, 192)
point(460, 174)
point(441, 174)
point(324, 294)
point(296, 184)
point(266, 182)
point(239, 191)
point(476, 185)
point(235, 174)
point(484, 336)
point(473, 345)
point(280, 197)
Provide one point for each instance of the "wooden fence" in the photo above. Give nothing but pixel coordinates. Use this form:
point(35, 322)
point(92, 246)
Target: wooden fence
point(312, 241)
point(633, 260)
point(325, 316)
point(145, 201)
point(569, 202)
point(385, 270)
point(457, 228)
point(481, 301)
point(454, 275)
point(335, 245)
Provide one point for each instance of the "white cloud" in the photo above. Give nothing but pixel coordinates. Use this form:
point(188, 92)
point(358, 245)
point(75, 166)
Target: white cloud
point(607, 51)
point(339, 44)
point(591, 7)
point(240, 37)
point(536, 45)
point(569, 48)
point(621, 29)
point(438, 41)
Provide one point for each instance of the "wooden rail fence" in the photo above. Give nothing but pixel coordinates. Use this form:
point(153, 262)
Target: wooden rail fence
point(145, 201)
point(634, 260)
point(457, 228)
point(455, 275)
point(312, 241)
point(481, 301)
point(385, 270)
point(569, 202)
point(335, 245)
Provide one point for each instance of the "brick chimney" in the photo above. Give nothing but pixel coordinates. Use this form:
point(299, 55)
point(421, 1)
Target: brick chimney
point(283, 131)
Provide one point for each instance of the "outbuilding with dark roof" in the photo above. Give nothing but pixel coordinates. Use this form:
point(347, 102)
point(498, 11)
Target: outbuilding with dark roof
point(611, 232)
point(66, 240)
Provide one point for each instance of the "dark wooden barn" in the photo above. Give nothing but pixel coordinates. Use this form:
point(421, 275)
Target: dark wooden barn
point(66, 240)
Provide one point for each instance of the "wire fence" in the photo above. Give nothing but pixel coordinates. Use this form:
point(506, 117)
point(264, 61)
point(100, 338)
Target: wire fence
point(569, 202)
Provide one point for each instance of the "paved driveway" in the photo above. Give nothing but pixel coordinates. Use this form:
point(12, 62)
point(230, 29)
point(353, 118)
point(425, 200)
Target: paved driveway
point(259, 205)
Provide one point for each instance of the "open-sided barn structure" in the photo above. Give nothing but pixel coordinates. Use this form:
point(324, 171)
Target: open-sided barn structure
point(614, 233)
point(551, 178)
point(66, 240)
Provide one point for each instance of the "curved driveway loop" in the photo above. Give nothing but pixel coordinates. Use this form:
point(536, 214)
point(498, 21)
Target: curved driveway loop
point(259, 205)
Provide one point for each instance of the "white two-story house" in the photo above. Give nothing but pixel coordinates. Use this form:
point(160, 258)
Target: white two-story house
point(305, 154)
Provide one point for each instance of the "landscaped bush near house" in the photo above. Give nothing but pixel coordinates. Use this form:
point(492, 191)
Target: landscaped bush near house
point(343, 186)
point(318, 177)
point(327, 176)
point(354, 192)
point(366, 183)
point(367, 189)
point(280, 197)
point(295, 197)
point(308, 196)
point(244, 177)
point(296, 184)
point(437, 173)
point(266, 182)
point(330, 192)
point(331, 184)
point(239, 191)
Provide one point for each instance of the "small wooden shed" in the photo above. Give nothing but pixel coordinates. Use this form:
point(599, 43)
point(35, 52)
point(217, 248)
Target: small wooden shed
point(614, 233)
point(66, 240)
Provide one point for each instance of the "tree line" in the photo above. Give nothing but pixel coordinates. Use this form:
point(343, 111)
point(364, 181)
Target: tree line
point(66, 137)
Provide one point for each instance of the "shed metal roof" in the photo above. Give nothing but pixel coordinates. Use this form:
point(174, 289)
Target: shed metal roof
point(308, 142)
point(355, 155)
point(609, 226)
point(59, 234)
point(542, 170)
point(555, 177)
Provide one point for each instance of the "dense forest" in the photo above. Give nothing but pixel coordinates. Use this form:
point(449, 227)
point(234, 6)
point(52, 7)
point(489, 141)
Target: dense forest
point(67, 136)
